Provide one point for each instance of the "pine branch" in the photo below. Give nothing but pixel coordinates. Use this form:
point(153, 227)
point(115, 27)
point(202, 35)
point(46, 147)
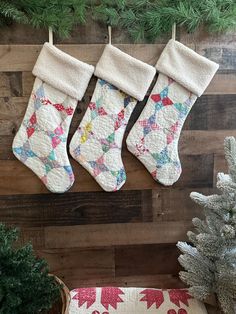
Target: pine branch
point(143, 20)
point(60, 15)
point(9, 11)
point(25, 286)
point(151, 19)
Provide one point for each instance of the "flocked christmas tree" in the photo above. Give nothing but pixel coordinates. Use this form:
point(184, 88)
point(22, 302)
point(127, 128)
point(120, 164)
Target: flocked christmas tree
point(210, 263)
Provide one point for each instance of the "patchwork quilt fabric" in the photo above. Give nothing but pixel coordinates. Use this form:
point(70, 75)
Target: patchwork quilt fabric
point(113, 300)
point(41, 141)
point(97, 143)
point(154, 137)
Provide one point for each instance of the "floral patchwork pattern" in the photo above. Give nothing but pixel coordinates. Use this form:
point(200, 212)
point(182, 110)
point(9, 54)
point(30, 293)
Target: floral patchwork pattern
point(154, 137)
point(112, 300)
point(41, 140)
point(97, 143)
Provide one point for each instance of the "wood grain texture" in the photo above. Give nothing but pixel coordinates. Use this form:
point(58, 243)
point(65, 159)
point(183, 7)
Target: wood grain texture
point(15, 58)
point(159, 260)
point(76, 208)
point(23, 57)
point(74, 264)
point(215, 112)
point(92, 32)
point(175, 204)
point(128, 238)
point(16, 178)
point(115, 234)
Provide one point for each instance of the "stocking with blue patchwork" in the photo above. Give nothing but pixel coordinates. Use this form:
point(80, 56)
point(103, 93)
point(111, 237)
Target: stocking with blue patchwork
point(96, 145)
point(40, 143)
point(183, 76)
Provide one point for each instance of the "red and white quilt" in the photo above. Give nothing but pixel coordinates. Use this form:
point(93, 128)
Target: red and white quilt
point(113, 300)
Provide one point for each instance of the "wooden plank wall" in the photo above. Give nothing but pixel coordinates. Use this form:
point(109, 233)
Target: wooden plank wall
point(127, 238)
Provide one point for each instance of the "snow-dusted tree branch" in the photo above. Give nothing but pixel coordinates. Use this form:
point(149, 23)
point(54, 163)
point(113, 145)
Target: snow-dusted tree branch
point(210, 260)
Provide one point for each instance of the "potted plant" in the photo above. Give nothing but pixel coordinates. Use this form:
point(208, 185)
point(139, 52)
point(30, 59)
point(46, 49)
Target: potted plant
point(25, 283)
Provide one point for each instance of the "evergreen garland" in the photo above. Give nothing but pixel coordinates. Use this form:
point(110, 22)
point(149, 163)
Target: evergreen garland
point(151, 19)
point(60, 15)
point(25, 286)
point(142, 19)
point(210, 262)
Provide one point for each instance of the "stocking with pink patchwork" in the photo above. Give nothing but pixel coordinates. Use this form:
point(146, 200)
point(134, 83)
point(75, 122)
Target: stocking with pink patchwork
point(96, 145)
point(40, 143)
point(184, 75)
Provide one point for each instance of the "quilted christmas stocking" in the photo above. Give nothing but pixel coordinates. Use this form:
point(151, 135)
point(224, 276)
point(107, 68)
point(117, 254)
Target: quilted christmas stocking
point(184, 75)
point(40, 143)
point(96, 145)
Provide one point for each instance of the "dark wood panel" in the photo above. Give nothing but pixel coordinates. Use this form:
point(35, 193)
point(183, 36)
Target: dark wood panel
point(213, 112)
point(16, 178)
point(82, 34)
point(223, 54)
point(118, 266)
point(76, 208)
point(197, 171)
point(75, 265)
point(6, 147)
point(147, 260)
point(203, 141)
point(176, 204)
point(11, 84)
point(35, 236)
point(97, 33)
point(203, 36)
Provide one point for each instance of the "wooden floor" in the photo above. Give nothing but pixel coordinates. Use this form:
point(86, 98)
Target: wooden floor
point(127, 238)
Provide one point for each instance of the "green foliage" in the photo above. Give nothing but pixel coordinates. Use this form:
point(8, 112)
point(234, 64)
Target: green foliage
point(151, 19)
point(25, 286)
point(144, 20)
point(9, 11)
point(210, 263)
point(60, 15)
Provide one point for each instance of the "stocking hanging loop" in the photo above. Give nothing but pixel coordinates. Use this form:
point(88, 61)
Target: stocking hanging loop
point(50, 36)
point(109, 34)
point(174, 31)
